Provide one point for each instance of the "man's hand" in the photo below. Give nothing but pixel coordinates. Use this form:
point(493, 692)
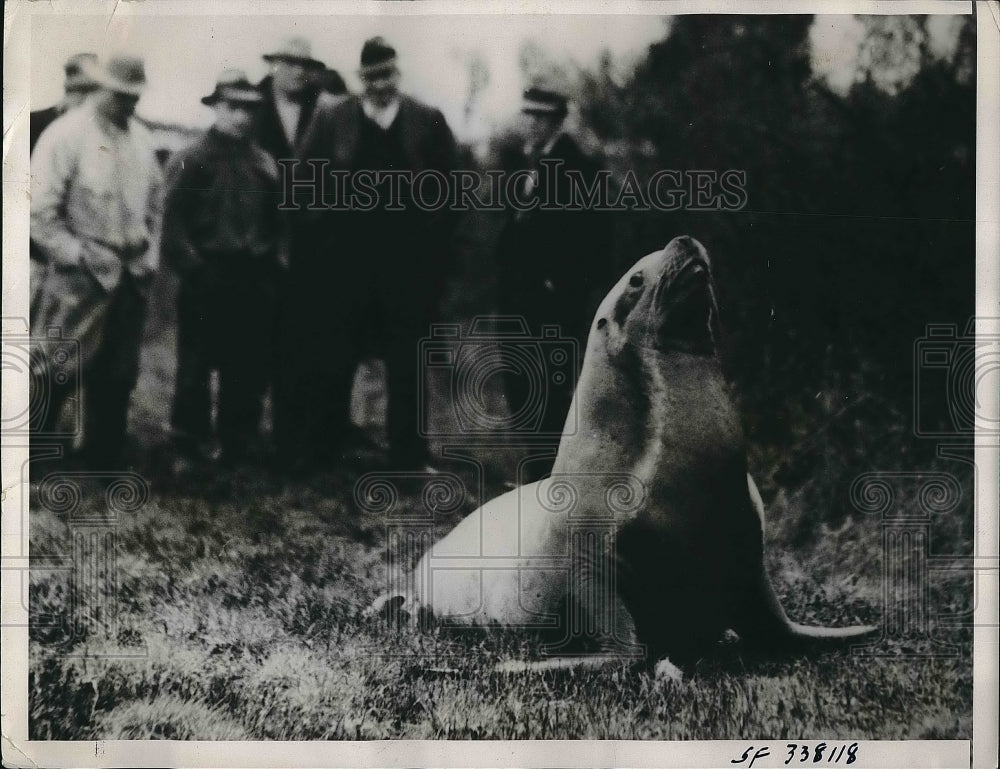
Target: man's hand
point(67, 259)
point(137, 249)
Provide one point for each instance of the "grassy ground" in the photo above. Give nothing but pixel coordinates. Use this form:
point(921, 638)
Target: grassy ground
point(238, 615)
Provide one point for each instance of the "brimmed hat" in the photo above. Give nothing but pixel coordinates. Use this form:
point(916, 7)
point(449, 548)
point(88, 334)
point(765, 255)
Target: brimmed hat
point(233, 86)
point(78, 68)
point(377, 58)
point(120, 73)
point(296, 50)
point(543, 101)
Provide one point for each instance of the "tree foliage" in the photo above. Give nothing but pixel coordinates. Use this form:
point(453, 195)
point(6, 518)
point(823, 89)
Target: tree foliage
point(859, 226)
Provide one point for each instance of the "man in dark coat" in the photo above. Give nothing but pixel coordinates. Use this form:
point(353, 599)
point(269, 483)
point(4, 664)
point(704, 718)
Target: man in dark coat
point(222, 233)
point(290, 94)
point(381, 271)
point(552, 260)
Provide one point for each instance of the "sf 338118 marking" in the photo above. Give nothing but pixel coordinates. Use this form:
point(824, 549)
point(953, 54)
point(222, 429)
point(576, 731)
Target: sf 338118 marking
point(803, 753)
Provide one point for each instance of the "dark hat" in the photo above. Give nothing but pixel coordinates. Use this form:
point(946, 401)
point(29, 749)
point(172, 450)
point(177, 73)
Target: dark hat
point(543, 101)
point(78, 69)
point(377, 58)
point(121, 73)
point(296, 50)
point(233, 86)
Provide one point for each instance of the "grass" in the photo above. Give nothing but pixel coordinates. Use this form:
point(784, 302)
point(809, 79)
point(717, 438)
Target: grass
point(240, 600)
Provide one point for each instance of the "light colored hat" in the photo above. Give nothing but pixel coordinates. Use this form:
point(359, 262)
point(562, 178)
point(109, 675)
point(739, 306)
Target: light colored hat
point(296, 50)
point(121, 73)
point(78, 68)
point(233, 86)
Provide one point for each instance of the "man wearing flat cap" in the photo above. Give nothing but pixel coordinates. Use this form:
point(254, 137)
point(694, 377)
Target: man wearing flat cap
point(222, 234)
point(290, 92)
point(553, 264)
point(94, 207)
point(386, 265)
point(76, 87)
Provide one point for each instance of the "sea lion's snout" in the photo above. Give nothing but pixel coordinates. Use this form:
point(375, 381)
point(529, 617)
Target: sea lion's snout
point(684, 247)
point(683, 307)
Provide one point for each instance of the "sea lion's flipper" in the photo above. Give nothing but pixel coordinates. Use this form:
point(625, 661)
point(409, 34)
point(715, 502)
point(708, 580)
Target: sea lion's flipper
point(763, 626)
point(761, 621)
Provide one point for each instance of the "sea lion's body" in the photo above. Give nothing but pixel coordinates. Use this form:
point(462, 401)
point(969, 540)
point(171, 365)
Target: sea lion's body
point(649, 527)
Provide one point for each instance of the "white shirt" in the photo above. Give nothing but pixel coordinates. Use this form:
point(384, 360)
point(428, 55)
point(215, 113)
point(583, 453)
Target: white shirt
point(288, 113)
point(383, 116)
point(95, 193)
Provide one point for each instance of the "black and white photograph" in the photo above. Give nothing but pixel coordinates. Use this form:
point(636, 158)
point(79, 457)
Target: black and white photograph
point(426, 384)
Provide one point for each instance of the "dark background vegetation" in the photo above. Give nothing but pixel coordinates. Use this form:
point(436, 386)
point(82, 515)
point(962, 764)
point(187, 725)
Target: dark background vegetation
point(860, 223)
point(245, 590)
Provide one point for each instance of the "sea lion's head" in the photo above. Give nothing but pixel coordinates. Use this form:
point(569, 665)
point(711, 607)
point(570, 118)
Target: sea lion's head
point(664, 304)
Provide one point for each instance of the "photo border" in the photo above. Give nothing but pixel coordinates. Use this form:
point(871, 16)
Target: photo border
point(18, 750)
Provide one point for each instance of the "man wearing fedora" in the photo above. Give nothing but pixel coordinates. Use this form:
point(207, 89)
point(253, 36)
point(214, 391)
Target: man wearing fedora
point(553, 264)
point(94, 204)
point(386, 266)
point(222, 233)
point(290, 92)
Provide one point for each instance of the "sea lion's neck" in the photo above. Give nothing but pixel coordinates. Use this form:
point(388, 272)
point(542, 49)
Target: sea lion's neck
point(653, 415)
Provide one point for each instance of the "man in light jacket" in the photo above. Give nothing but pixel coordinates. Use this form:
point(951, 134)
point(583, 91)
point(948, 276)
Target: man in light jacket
point(94, 203)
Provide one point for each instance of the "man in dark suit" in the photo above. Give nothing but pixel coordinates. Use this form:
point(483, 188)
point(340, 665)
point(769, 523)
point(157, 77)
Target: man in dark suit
point(552, 260)
point(290, 93)
point(380, 272)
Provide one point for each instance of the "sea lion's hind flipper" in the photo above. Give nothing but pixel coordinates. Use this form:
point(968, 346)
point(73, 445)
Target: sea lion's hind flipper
point(764, 628)
point(757, 615)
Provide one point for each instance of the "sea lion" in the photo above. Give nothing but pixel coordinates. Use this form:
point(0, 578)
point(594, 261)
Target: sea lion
point(650, 527)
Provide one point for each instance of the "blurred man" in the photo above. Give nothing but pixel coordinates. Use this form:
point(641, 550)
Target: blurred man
point(290, 94)
point(76, 87)
point(222, 234)
point(381, 271)
point(94, 201)
point(553, 264)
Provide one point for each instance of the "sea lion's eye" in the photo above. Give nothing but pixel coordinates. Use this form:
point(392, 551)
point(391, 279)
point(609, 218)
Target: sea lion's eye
point(636, 280)
point(602, 322)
